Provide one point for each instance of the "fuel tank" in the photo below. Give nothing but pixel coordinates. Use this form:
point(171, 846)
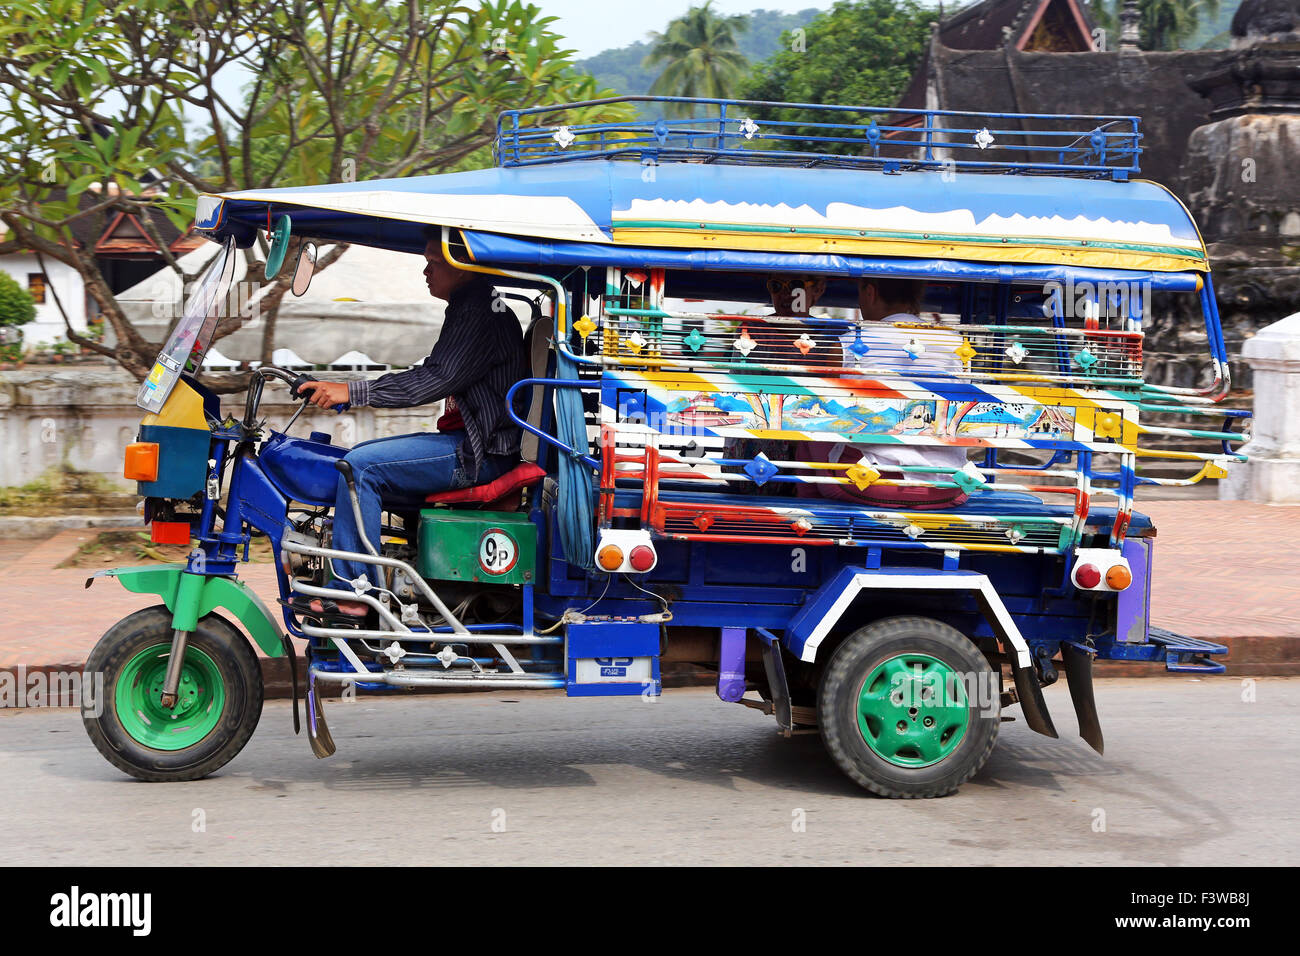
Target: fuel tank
point(302, 468)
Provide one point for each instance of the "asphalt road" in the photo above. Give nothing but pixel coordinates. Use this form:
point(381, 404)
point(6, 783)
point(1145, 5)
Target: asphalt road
point(1192, 775)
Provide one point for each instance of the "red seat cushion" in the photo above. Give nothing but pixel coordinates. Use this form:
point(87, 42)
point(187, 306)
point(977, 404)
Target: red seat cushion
point(517, 478)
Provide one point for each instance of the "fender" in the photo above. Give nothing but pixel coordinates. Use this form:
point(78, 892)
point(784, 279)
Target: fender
point(814, 621)
point(191, 596)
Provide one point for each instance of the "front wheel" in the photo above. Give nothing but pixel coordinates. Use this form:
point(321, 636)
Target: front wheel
point(218, 704)
point(909, 707)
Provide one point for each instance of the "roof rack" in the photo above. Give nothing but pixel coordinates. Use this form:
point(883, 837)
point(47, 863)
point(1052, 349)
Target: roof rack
point(759, 132)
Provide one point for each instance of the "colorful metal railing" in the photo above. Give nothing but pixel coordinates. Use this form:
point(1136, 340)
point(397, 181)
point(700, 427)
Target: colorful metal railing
point(804, 134)
point(682, 392)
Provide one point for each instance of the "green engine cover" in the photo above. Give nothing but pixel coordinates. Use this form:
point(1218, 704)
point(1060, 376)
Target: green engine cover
point(498, 547)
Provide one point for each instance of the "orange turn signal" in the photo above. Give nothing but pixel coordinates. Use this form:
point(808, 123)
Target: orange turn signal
point(610, 557)
point(141, 461)
point(1119, 577)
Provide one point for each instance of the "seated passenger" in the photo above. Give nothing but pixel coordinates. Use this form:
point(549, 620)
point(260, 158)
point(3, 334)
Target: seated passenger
point(478, 356)
point(792, 297)
point(884, 302)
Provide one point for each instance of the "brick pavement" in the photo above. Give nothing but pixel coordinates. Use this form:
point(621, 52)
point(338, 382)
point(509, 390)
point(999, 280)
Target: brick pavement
point(1225, 570)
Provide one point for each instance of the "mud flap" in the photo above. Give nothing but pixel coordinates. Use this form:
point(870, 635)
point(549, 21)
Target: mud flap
point(318, 732)
point(1032, 704)
point(293, 678)
point(776, 682)
point(1078, 674)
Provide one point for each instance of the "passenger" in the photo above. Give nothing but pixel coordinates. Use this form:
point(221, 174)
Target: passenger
point(478, 356)
point(884, 302)
point(792, 297)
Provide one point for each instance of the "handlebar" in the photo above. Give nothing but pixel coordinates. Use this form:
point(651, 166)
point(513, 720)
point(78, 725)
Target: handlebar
point(257, 380)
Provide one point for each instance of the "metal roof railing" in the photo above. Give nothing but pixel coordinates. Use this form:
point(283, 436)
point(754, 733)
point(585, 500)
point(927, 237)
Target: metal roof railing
point(758, 132)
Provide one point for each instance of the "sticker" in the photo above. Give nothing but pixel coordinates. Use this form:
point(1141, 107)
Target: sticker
point(497, 551)
point(156, 373)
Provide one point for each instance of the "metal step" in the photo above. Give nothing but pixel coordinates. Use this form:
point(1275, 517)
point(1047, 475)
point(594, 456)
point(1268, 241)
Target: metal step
point(1187, 654)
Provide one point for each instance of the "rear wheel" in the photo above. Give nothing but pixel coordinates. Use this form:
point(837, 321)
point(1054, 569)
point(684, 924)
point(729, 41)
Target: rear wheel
point(909, 707)
point(219, 699)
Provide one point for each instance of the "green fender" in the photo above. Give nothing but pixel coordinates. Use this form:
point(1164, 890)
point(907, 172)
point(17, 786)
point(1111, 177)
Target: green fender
point(191, 596)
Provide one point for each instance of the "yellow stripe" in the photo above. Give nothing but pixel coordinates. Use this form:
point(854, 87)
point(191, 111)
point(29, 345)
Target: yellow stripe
point(691, 238)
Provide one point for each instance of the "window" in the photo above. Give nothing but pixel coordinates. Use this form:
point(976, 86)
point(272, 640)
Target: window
point(36, 286)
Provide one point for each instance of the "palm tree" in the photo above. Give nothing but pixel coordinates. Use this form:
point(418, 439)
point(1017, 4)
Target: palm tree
point(699, 49)
point(1163, 24)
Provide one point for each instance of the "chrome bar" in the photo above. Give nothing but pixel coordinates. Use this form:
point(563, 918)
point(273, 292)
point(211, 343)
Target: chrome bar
point(321, 552)
point(409, 678)
point(466, 638)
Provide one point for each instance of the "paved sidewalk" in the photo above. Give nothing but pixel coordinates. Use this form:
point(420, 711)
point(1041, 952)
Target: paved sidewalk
point(1225, 571)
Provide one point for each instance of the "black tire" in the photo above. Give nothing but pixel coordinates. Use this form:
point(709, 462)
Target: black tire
point(861, 653)
point(241, 678)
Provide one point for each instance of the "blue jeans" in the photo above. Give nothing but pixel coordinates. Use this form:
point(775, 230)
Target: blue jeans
point(398, 472)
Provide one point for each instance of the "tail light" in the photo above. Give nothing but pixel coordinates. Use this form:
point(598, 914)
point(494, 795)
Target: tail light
point(625, 551)
point(1087, 576)
point(642, 558)
point(1119, 577)
point(1101, 569)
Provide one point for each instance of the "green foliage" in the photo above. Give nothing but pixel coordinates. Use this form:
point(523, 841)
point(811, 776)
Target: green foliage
point(700, 56)
point(94, 99)
point(1165, 24)
point(622, 68)
point(860, 52)
point(17, 307)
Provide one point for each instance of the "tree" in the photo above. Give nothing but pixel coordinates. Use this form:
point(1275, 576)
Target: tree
point(17, 308)
point(700, 56)
point(95, 94)
point(860, 52)
point(1162, 24)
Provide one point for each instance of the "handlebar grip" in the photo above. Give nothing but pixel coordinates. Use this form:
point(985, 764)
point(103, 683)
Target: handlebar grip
point(299, 382)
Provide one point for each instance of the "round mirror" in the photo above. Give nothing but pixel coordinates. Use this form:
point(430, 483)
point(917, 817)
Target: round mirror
point(279, 246)
point(305, 269)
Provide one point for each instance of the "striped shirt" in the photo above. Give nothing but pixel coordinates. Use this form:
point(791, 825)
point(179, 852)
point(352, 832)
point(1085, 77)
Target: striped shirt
point(477, 357)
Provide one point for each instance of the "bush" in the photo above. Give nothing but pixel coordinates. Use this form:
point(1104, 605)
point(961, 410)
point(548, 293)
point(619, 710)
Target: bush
point(16, 304)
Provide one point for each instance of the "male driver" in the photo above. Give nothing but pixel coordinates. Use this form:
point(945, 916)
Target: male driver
point(476, 359)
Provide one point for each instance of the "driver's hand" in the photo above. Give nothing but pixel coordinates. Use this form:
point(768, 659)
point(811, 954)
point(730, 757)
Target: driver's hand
point(325, 394)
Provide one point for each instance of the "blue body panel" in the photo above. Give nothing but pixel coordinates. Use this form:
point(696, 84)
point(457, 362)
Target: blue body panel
point(302, 469)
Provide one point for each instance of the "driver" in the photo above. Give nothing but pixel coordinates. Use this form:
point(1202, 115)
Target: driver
point(477, 357)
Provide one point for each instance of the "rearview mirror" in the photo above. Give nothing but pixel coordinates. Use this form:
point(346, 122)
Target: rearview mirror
point(305, 268)
point(279, 246)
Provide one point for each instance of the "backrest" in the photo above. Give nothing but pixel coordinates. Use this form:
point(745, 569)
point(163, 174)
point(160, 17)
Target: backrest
point(537, 345)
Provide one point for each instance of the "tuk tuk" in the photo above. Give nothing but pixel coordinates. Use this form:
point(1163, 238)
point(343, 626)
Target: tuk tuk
point(704, 480)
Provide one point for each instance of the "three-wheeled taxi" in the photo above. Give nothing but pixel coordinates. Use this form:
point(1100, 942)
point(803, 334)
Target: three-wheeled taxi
point(886, 530)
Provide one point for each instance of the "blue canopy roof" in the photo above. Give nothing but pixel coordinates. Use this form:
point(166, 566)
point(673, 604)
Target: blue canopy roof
point(605, 206)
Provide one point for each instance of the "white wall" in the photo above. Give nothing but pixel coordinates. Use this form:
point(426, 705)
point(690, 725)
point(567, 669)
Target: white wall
point(59, 278)
point(81, 417)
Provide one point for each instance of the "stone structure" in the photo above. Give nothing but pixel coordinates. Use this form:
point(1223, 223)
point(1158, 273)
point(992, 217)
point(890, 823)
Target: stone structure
point(80, 418)
point(1219, 129)
point(1239, 174)
point(1273, 472)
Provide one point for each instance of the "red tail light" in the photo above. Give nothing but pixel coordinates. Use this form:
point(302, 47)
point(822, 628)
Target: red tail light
point(642, 558)
point(1087, 575)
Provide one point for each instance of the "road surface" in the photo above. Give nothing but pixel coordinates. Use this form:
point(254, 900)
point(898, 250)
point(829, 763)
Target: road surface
point(1193, 774)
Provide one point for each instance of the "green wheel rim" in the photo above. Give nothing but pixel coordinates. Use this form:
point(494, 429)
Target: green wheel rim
point(913, 710)
point(200, 699)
